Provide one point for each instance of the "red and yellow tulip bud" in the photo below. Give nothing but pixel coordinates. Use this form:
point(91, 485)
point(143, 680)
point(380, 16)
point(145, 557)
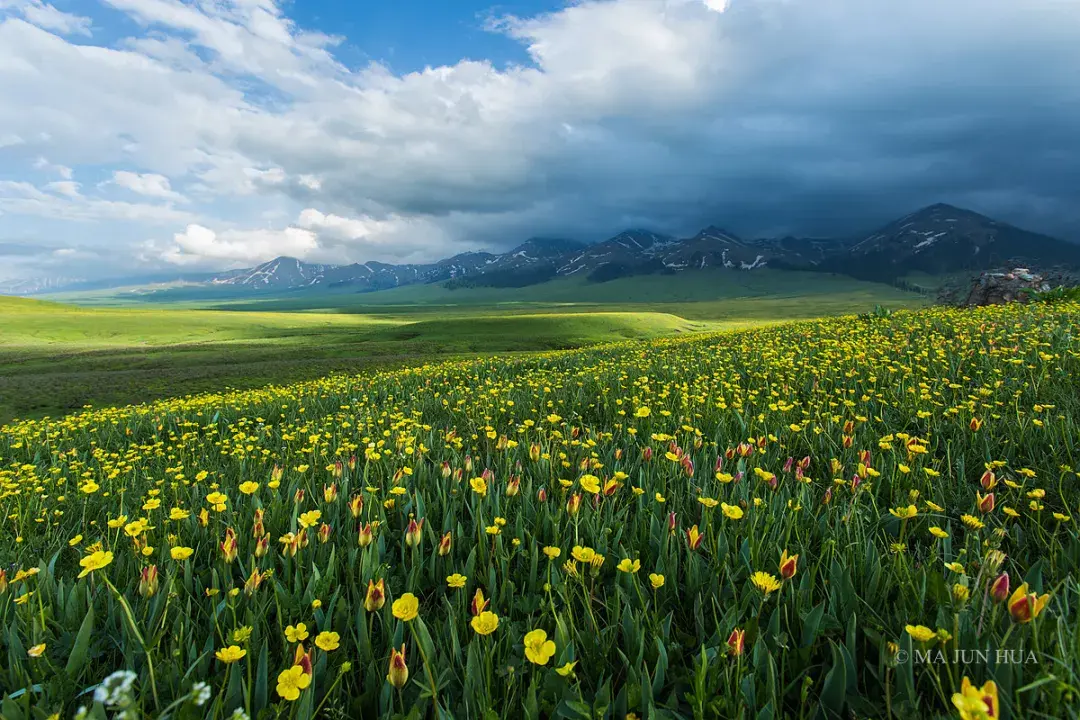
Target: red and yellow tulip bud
point(745, 449)
point(687, 465)
point(299, 496)
point(458, 474)
point(398, 475)
point(828, 497)
point(356, 505)
point(365, 536)
point(302, 537)
point(804, 464)
point(488, 475)
point(330, 492)
point(789, 565)
point(618, 453)
point(762, 442)
point(671, 522)
point(446, 470)
point(573, 504)
point(148, 581)
point(338, 472)
point(277, 473)
point(849, 427)
point(414, 533)
point(789, 463)
point(988, 480)
point(352, 462)
point(975, 424)
point(513, 486)
point(847, 441)
point(541, 494)
point(999, 589)
point(399, 671)
point(376, 595)
point(729, 454)
point(855, 483)
point(736, 642)
point(257, 528)
point(694, 538)
point(229, 547)
point(864, 457)
point(324, 533)
point(1025, 606)
point(478, 603)
point(444, 544)
point(303, 659)
point(468, 463)
point(986, 502)
point(253, 581)
point(610, 487)
point(646, 454)
point(204, 517)
point(262, 545)
point(3, 581)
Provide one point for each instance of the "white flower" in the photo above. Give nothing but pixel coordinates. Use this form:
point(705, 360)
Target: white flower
point(114, 690)
point(200, 693)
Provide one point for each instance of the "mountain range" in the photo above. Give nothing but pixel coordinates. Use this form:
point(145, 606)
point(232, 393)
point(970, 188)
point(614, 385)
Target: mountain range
point(938, 239)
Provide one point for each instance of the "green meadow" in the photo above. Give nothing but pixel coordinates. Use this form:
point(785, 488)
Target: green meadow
point(121, 347)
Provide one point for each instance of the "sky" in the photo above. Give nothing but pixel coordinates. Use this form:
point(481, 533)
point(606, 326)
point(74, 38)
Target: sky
point(180, 136)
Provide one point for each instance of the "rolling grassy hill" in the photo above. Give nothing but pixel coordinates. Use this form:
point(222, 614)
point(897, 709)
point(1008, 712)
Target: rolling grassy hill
point(55, 358)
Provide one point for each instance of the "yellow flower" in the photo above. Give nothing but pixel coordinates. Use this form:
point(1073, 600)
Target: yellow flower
point(93, 562)
point(179, 514)
point(977, 703)
point(75, 540)
point(642, 412)
point(732, 512)
point(708, 502)
point(457, 580)
point(485, 623)
point(566, 670)
point(249, 487)
point(656, 580)
point(327, 641)
point(590, 484)
point(230, 654)
point(583, 554)
point(290, 682)
point(217, 498)
point(479, 486)
point(36, 651)
point(938, 532)
point(406, 607)
point(538, 649)
point(904, 512)
point(296, 633)
point(765, 582)
point(920, 633)
point(955, 567)
point(310, 518)
point(552, 552)
point(627, 565)
point(181, 553)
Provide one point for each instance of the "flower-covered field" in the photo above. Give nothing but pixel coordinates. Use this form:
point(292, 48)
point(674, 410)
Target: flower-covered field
point(859, 517)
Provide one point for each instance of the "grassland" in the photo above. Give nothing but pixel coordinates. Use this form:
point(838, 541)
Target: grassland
point(777, 522)
point(58, 357)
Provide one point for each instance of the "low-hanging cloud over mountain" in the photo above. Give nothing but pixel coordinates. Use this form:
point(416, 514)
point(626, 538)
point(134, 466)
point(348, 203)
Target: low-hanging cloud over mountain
point(221, 134)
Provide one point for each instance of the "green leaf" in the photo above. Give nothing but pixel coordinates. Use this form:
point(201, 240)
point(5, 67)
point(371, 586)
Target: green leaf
point(835, 686)
point(77, 659)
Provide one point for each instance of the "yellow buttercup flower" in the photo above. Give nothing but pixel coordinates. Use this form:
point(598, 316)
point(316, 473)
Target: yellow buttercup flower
point(538, 649)
point(406, 607)
point(485, 623)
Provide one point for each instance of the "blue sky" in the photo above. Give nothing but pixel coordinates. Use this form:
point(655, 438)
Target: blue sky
point(147, 136)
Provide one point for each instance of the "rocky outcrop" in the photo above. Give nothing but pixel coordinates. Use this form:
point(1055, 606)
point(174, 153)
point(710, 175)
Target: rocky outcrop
point(996, 287)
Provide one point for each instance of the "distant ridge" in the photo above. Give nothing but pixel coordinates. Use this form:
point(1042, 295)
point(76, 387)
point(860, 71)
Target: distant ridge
point(937, 239)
